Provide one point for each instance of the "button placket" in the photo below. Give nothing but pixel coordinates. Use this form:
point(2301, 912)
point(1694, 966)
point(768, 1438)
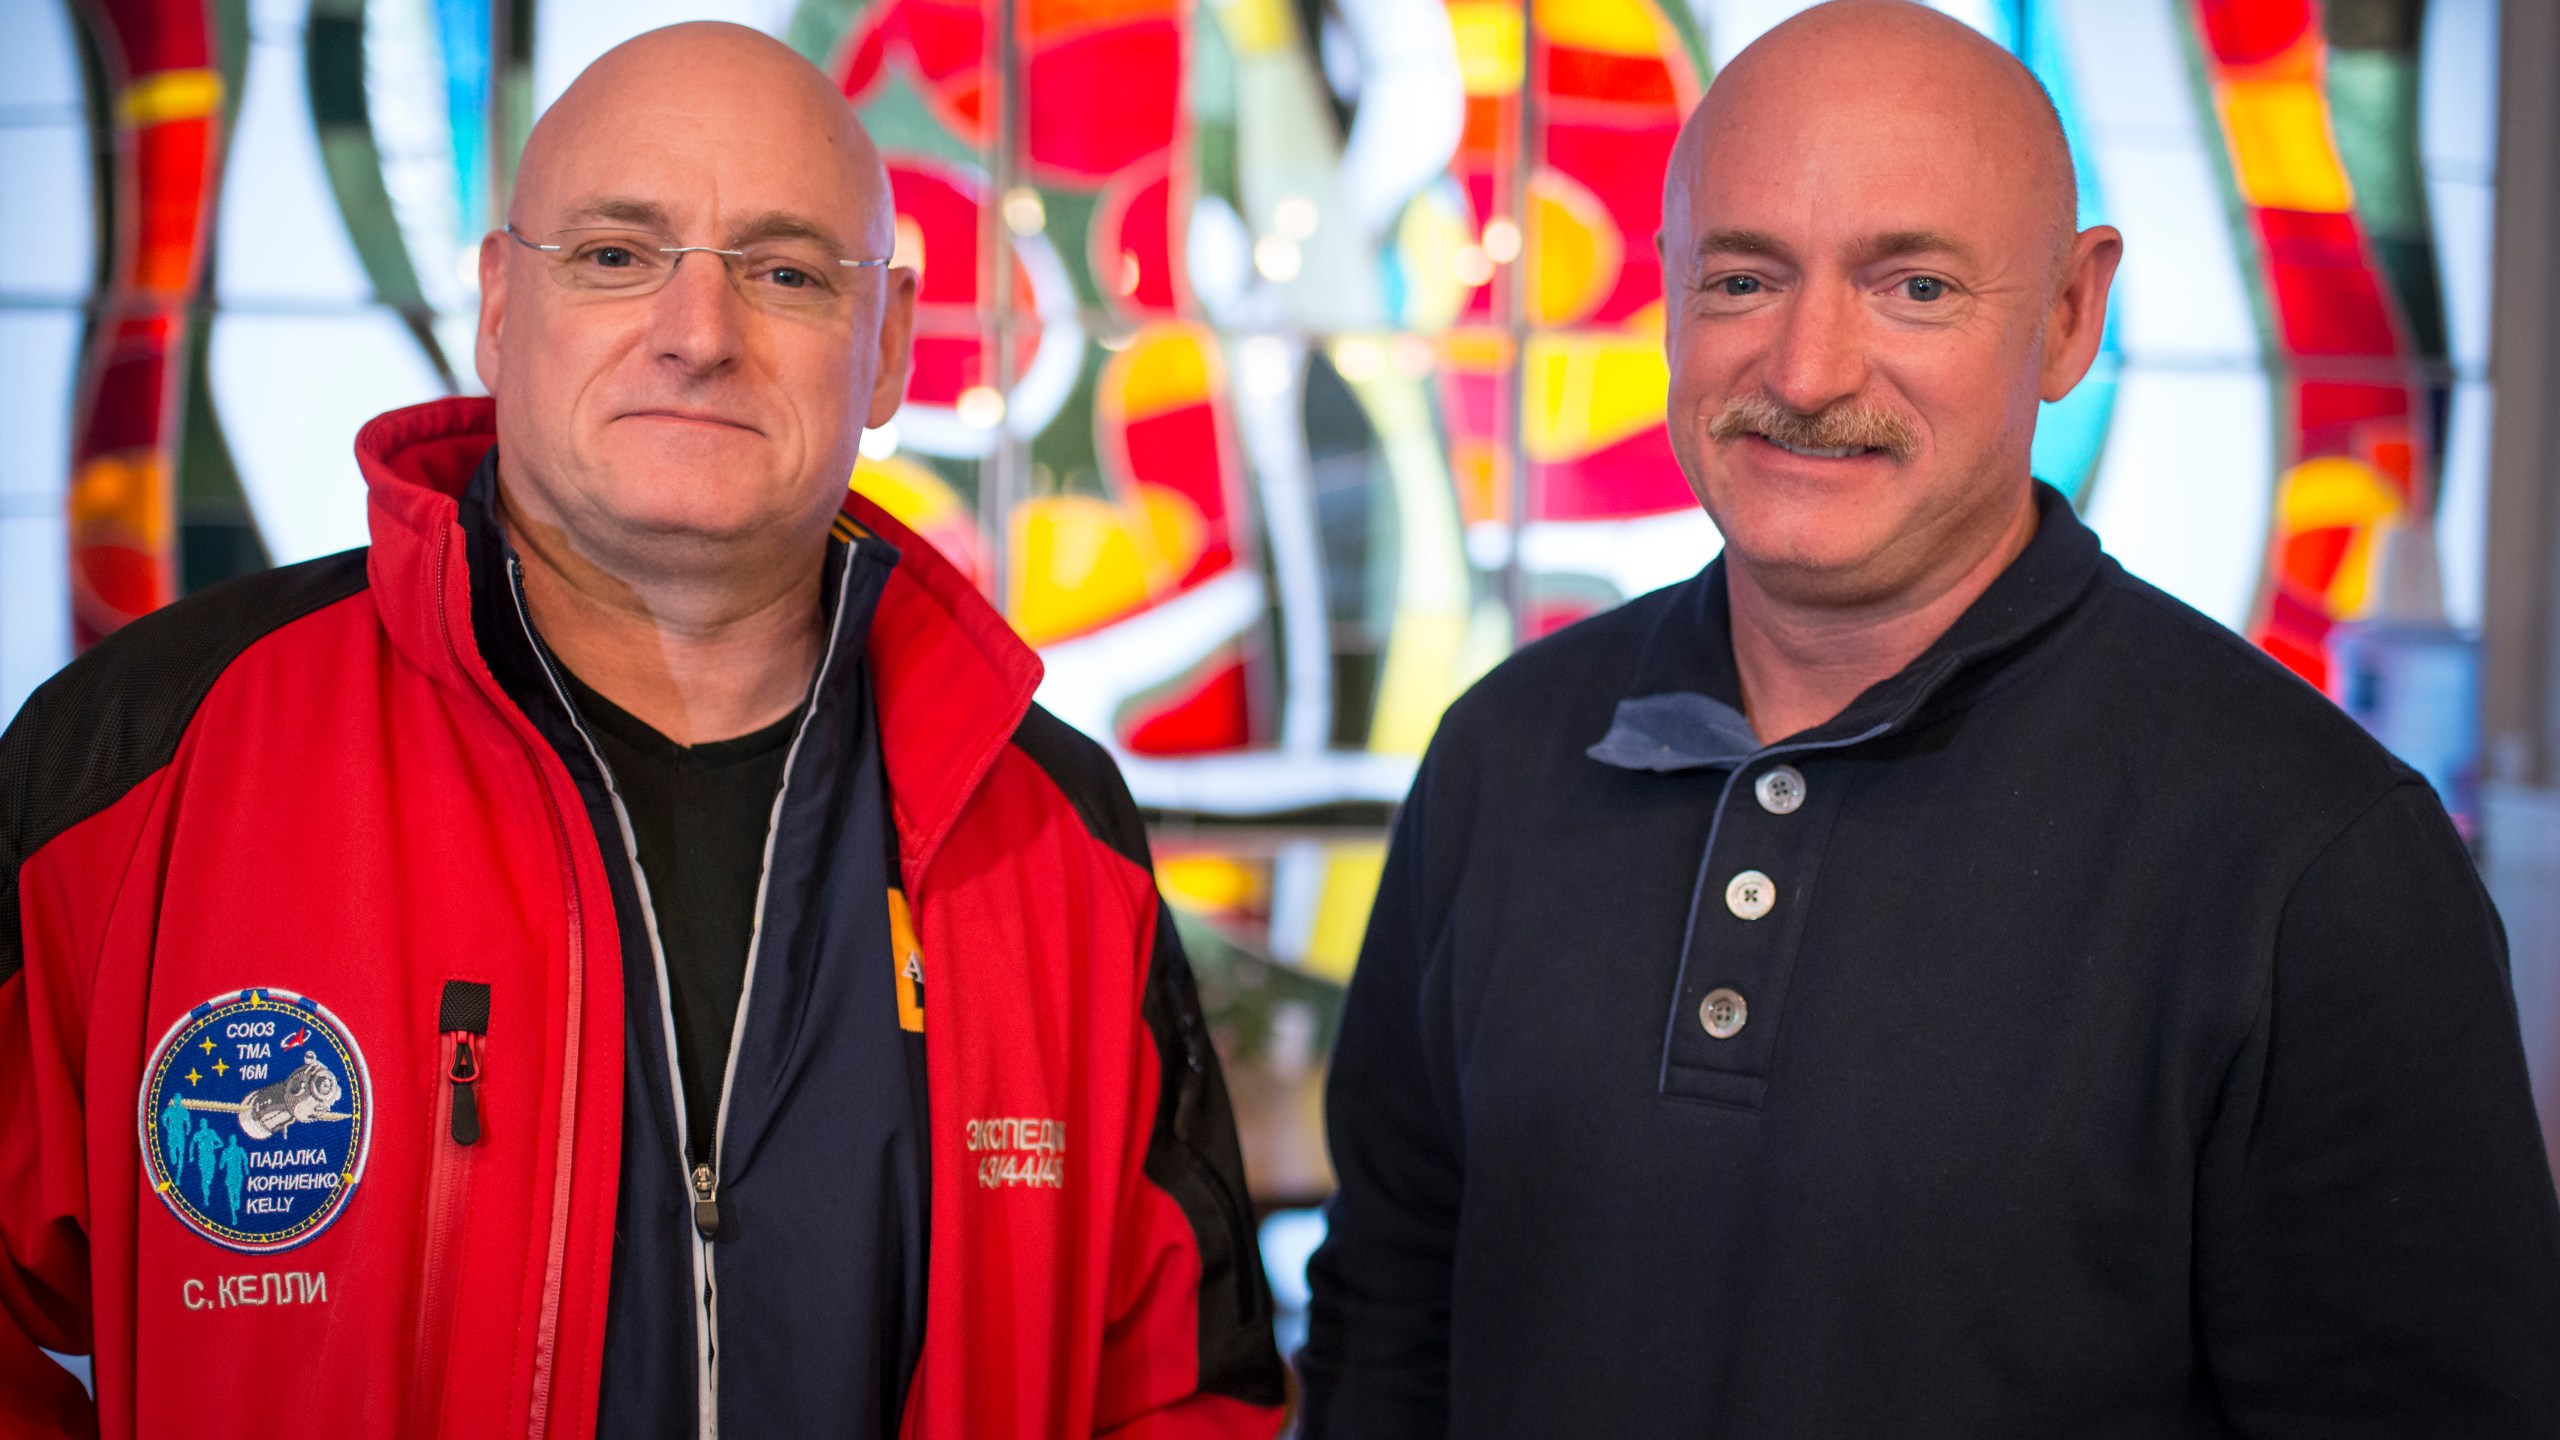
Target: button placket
point(1756, 882)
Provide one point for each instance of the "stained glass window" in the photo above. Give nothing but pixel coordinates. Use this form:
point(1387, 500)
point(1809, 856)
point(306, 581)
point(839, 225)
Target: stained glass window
point(1281, 364)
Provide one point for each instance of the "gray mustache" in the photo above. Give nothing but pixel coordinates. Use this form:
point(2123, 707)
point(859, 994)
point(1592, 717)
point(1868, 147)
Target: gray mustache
point(1840, 426)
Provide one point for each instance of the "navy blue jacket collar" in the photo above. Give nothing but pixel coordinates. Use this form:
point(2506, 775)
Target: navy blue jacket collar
point(1683, 710)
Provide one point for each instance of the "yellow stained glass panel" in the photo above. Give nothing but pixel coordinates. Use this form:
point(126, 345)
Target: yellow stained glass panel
point(2281, 150)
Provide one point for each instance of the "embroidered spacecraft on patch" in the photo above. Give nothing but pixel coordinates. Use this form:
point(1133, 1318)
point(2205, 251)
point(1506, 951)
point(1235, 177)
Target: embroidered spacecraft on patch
point(298, 1099)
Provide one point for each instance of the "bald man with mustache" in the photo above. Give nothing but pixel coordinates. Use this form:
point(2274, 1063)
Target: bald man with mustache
point(719, 999)
point(1915, 979)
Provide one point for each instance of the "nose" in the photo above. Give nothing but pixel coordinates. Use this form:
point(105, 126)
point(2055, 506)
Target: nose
point(698, 321)
point(1820, 357)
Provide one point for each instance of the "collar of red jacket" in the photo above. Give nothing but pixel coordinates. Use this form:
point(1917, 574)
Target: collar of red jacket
point(953, 680)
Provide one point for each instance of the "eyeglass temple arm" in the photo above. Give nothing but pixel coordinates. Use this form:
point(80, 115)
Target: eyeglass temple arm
point(511, 232)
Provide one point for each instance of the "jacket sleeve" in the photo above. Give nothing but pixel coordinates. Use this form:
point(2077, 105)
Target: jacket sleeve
point(44, 1251)
point(1188, 1296)
point(1376, 1362)
point(44, 1277)
point(2378, 1248)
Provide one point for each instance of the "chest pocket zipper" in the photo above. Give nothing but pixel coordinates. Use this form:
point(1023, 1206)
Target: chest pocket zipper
point(463, 1074)
point(462, 1025)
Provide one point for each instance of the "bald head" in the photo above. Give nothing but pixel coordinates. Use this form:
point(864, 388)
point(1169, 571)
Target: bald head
point(713, 79)
point(1884, 71)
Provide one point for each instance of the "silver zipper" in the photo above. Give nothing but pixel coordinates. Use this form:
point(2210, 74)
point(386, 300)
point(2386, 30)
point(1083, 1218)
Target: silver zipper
point(707, 1422)
point(706, 1203)
point(701, 1181)
point(706, 1196)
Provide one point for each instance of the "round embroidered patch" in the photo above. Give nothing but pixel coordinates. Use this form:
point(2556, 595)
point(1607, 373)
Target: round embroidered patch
point(256, 1111)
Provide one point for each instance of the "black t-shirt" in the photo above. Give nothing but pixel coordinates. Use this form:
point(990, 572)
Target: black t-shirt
point(700, 814)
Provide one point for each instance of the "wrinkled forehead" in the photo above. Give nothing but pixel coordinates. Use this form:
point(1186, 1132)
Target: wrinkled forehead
point(1826, 157)
point(696, 165)
point(1821, 177)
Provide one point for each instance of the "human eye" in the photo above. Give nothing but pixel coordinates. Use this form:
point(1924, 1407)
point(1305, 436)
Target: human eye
point(792, 275)
point(615, 259)
point(1733, 290)
point(1927, 289)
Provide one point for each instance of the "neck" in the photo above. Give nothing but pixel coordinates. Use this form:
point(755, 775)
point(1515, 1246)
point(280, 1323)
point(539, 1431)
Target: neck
point(1802, 661)
point(708, 652)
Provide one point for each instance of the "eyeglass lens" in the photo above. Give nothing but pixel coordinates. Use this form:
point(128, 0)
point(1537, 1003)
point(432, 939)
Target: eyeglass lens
point(634, 262)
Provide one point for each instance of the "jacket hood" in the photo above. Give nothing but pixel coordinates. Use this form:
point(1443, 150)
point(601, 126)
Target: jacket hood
point(953, 678)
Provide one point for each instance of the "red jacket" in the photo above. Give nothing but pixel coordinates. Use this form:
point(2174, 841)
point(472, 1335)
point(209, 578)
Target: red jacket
point(286, 812)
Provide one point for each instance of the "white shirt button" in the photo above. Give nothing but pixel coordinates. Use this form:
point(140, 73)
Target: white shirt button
point(1751, 895)
point(1724, 1013)
point(1781, 790)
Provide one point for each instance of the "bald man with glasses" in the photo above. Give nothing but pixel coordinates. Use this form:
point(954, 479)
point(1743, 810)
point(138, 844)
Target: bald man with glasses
point(661, 971)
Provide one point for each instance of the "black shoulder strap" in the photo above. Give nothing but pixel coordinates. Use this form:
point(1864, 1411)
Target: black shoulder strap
point(115, 715)
point(1092, 783)
point(1089, 777)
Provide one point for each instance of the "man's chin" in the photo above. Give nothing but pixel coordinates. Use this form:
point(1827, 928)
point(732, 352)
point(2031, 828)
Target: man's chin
point(1841, 560)
point(651, 445)
point(690, 520)
point(657, 506)
point(688, 479)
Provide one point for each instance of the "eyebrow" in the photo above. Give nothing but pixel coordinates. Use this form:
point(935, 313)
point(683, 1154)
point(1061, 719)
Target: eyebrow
point(619, 210)
point(1741, 242)
point(650, 215)
point(1887, 245)
point(784, 225)
point(1897, 244)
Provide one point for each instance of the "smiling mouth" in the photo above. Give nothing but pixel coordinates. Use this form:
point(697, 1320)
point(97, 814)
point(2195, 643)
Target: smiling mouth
point(692, 418)
point(1821, 452)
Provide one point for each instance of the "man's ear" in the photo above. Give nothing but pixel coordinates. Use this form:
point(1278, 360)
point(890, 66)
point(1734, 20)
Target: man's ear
point(2078, 319)
point(1670, 288)
point(493, 308)
point(897, 338)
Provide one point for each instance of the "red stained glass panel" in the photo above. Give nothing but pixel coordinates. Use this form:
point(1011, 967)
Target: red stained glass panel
point(2244, 32)
point(1217, 715)
point(2326, 311)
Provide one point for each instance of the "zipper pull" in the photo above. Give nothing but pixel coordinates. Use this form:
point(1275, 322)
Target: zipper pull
point(706, 1202)
point(466, 1103)
point(464, 1015)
